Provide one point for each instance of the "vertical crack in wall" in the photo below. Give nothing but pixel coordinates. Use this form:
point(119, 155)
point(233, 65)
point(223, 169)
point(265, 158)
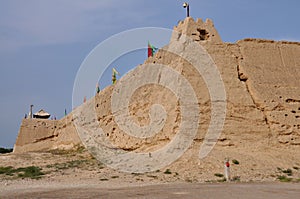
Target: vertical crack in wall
point(243, 78)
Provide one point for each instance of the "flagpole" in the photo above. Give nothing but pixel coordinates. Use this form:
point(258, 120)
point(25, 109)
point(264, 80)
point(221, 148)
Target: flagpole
point(30, 113)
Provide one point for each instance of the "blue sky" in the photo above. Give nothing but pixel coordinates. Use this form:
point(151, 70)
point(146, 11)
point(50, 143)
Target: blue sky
point(44, 42)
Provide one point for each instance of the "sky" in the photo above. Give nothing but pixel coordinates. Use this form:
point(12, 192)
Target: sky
point(44, 42)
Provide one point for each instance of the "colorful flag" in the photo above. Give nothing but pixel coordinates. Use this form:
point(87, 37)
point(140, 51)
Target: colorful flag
point(114, 75)
point(151, 50)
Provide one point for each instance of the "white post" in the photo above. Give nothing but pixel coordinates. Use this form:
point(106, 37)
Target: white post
point(227, 169)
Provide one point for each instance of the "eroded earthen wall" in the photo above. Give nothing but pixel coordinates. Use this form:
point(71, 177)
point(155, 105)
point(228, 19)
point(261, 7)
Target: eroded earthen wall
point(261, 79)
point(41, 134)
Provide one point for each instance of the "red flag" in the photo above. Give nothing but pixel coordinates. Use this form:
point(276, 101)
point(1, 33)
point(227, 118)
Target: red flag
point(150, 50)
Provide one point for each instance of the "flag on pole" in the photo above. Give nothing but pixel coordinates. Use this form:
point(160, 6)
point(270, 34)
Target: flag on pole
point(97, 88)
point(114, 75)
point(151, 50)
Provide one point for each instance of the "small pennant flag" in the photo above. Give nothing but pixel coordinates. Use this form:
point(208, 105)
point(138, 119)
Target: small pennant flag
point(115, 72)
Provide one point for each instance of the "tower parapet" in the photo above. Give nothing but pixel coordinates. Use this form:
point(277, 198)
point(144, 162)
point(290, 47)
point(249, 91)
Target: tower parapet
point(198, 30)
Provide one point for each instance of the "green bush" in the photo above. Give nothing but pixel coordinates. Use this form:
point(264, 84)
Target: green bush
point(7, 170)
point(30, 172)
point(234, 161)
point(284, 179)
point(219, 175)
point(69, 164)
point(23, 172)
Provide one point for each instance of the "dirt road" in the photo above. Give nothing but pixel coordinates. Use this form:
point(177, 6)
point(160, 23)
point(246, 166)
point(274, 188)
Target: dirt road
point(182, 190)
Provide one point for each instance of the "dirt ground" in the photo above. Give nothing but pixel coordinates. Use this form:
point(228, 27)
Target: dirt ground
point(76, 174)
point(173, 190)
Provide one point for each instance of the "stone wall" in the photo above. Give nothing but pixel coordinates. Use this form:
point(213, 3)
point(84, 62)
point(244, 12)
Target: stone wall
point(261, 80)
point(42, 134)
point(271, 74)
